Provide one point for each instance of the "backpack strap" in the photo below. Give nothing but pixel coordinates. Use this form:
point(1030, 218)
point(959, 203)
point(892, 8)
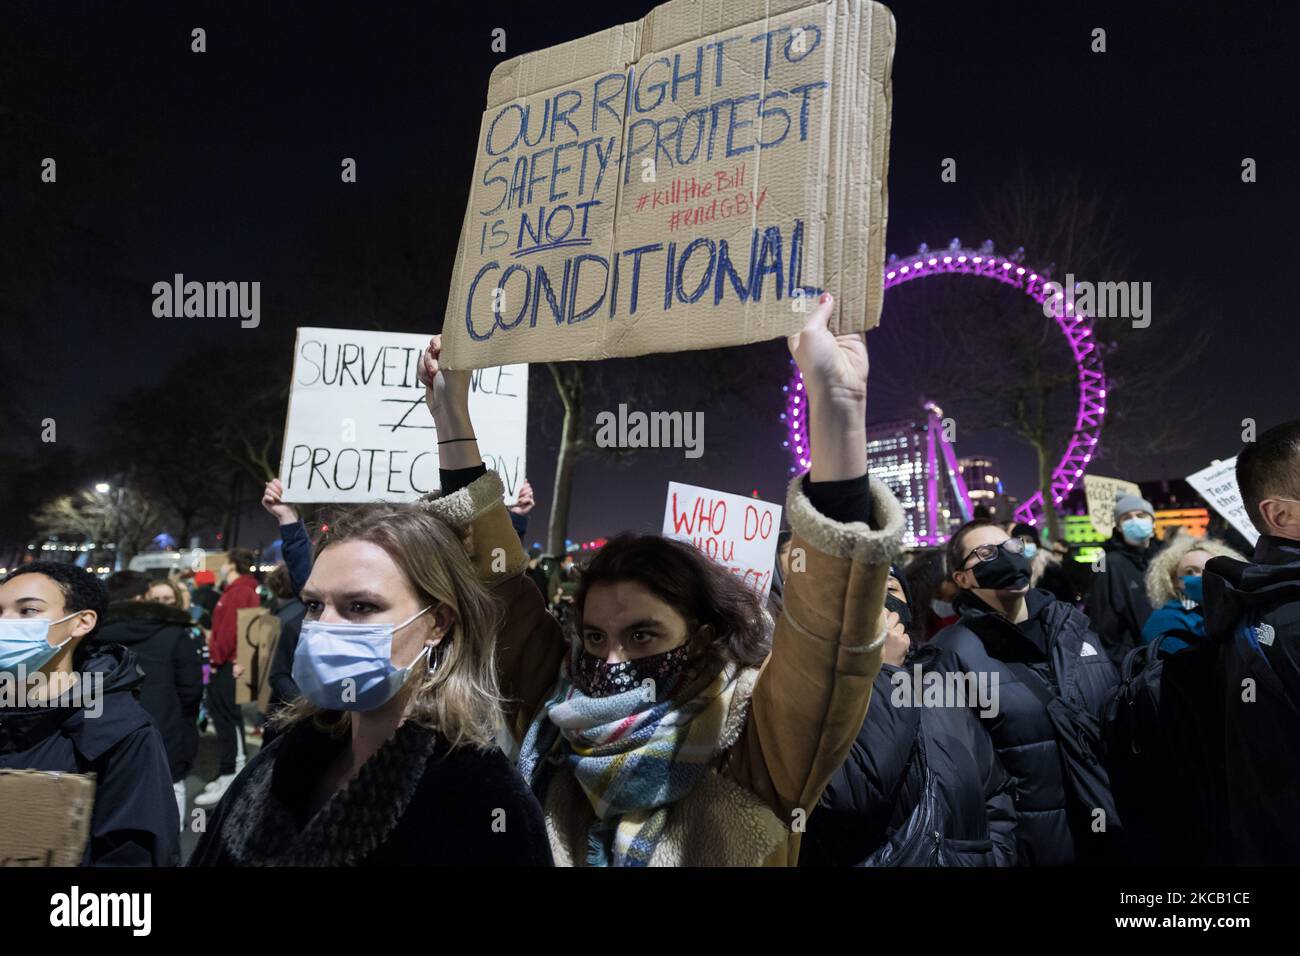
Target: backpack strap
point(1036, 685)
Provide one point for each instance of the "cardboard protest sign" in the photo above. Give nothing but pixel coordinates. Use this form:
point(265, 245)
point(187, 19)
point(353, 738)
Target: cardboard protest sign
point(358, 429)
point(46, 817)
point(1102, 494)
point(257, 632)
point(688, 181)
point(735, 531)
point(1217, 484)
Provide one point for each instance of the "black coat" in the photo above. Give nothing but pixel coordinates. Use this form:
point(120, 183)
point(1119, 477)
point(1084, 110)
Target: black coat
point(283, 687)
point(1050, 822)
point(134, 821)
point(1253, 614)
point(417, 802)
point(1117, 603)
point(881, 782)
point(163, 641)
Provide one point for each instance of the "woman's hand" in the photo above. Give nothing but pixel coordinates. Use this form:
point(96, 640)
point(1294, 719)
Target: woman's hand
point(445, 392)
point(447, 395)
point(271, 501)
point(834, 371)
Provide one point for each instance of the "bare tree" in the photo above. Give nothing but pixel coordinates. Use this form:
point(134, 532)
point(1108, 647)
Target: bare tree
point(123, 516)
point(705, 379)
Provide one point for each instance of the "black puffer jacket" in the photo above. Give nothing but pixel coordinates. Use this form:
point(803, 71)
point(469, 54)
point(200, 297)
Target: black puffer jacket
point(1050, 821)
point(134, 820)
point(1253, 613)
point(881, 782)
point(1117, 604)
point(162, 640)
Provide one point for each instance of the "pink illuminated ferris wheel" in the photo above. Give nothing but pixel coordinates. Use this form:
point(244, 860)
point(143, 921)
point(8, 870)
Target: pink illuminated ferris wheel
point(1074, 325)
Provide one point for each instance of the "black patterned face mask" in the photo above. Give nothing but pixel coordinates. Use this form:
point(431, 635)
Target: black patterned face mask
point(598, 678)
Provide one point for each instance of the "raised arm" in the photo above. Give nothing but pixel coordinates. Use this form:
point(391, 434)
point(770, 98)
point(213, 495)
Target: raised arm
point(295, 543)
point(530, 644)
point(811, 697)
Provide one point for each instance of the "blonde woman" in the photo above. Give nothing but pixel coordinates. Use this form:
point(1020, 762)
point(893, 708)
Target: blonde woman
point(388, 757)
point(1173, 583)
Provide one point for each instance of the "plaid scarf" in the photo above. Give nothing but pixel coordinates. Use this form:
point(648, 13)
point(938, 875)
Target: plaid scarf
point(633, 757)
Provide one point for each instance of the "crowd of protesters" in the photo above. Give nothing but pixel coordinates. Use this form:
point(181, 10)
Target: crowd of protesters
point(437, 695)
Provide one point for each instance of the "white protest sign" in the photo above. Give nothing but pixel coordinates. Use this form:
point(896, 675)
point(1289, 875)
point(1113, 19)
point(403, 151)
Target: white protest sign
point(737, 532)
point(1218, 486)
point(358, 429)
point(1101, 494)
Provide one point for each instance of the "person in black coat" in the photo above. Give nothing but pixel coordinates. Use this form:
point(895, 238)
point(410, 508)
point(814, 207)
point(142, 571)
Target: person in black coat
point(1117, 603)
point(97, 726)
point(1052, 680)
point(163, 642)
point(1252, 611)
point(289, 611)
point(882, 782)
point(388, 755)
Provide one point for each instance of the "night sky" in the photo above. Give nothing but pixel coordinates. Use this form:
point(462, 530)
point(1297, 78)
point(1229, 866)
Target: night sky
point(225, 166)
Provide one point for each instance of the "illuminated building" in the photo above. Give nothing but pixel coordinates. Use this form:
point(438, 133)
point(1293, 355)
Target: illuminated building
point(919, 466)
point(981, 474)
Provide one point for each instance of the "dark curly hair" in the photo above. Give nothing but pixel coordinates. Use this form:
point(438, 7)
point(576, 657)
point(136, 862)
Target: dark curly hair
point(700, 590)
point(82, 591)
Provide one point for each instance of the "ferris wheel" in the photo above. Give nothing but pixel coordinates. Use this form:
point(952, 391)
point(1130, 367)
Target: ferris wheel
point(1074, 324)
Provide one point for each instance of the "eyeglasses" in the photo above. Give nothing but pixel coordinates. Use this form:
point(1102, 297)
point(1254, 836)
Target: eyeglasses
point(987, 552)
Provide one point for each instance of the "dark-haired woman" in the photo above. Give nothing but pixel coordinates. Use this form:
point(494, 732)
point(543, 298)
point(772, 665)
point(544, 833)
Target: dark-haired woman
point(670, 730)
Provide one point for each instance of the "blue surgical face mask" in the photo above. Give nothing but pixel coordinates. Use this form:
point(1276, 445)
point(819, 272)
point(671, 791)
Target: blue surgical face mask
point(942, 608)
point(1137, 530)
point(24, 642)
point(350, 666)
point(1031, 549)
point(1194, 587)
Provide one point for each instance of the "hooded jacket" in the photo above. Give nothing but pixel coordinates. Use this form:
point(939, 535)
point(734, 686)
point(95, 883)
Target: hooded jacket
point(881, 783)
point(1252, 610)
point(171, 658)
point(1117, 604)
point(1050, 820)
point(134, 821)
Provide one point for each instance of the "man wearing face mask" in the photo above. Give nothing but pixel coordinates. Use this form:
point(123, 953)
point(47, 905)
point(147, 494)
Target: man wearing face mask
point(1052, 680)
point(1253, 610)
point(70, 707)
point(1117, 605)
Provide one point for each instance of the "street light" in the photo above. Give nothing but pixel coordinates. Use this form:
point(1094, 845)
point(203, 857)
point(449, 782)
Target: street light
point(103, 487)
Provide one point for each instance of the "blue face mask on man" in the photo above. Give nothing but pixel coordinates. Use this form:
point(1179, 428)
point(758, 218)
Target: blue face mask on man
point(1137, 530)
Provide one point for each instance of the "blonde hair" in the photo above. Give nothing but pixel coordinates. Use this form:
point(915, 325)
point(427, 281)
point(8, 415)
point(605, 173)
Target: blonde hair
point(1160, 572)
point(457, 695)
point(171, 586)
